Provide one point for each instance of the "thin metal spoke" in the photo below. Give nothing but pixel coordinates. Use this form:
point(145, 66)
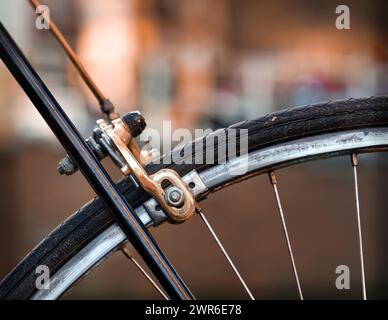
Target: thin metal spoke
point(355, 164)
point(272, 178)
point(129, 255)
point(202, 215)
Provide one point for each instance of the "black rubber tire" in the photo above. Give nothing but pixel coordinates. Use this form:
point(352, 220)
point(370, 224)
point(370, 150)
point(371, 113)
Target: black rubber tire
point(89, 221)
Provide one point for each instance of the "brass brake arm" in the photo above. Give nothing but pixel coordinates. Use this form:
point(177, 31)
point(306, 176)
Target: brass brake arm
point(152, 184)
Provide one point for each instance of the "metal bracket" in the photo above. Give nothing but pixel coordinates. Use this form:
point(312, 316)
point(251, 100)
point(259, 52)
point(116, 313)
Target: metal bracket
point(195, 185)
point(178, 203)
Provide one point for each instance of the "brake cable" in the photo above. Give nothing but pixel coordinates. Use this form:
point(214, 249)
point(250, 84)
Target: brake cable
point(115, 138)
point(106, 105)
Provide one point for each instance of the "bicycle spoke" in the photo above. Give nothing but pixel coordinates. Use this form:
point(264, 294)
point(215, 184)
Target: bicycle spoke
point(202, 215)
point(355, 164)
point(129, 255)
point(272, 178)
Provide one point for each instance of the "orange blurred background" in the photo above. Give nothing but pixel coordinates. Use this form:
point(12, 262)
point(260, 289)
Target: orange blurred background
point(204, 64)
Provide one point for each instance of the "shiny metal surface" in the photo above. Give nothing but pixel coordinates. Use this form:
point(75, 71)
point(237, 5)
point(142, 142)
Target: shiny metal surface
point(292, 152)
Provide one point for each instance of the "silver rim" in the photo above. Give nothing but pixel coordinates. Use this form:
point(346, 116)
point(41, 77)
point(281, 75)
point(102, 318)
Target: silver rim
point(284, 154)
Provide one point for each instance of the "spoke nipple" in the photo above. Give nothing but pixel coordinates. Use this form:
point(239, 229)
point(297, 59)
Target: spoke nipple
point(272, 177)
point(354, 160)
point(124, 248)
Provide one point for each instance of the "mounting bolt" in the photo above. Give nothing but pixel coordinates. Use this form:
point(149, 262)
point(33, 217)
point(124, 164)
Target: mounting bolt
point(67, 166)
point(174, 197)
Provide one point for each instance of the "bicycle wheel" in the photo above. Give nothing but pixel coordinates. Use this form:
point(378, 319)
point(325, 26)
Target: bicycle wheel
point(277, 140)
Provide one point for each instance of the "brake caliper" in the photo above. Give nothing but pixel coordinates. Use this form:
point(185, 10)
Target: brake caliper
point(116, 139)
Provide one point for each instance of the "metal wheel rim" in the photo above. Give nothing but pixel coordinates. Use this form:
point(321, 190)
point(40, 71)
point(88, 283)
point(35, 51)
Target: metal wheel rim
point(273, 157)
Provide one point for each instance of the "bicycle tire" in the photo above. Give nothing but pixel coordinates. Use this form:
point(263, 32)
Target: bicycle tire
point(90, 220)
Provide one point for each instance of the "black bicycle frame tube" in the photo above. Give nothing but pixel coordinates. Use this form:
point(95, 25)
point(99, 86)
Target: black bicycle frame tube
point(97, 177)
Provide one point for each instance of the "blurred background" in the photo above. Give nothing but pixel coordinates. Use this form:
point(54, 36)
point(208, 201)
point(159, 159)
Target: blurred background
point(204, 64)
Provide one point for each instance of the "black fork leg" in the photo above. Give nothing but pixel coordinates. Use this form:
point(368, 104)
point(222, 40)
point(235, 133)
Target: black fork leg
point(97, 177)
